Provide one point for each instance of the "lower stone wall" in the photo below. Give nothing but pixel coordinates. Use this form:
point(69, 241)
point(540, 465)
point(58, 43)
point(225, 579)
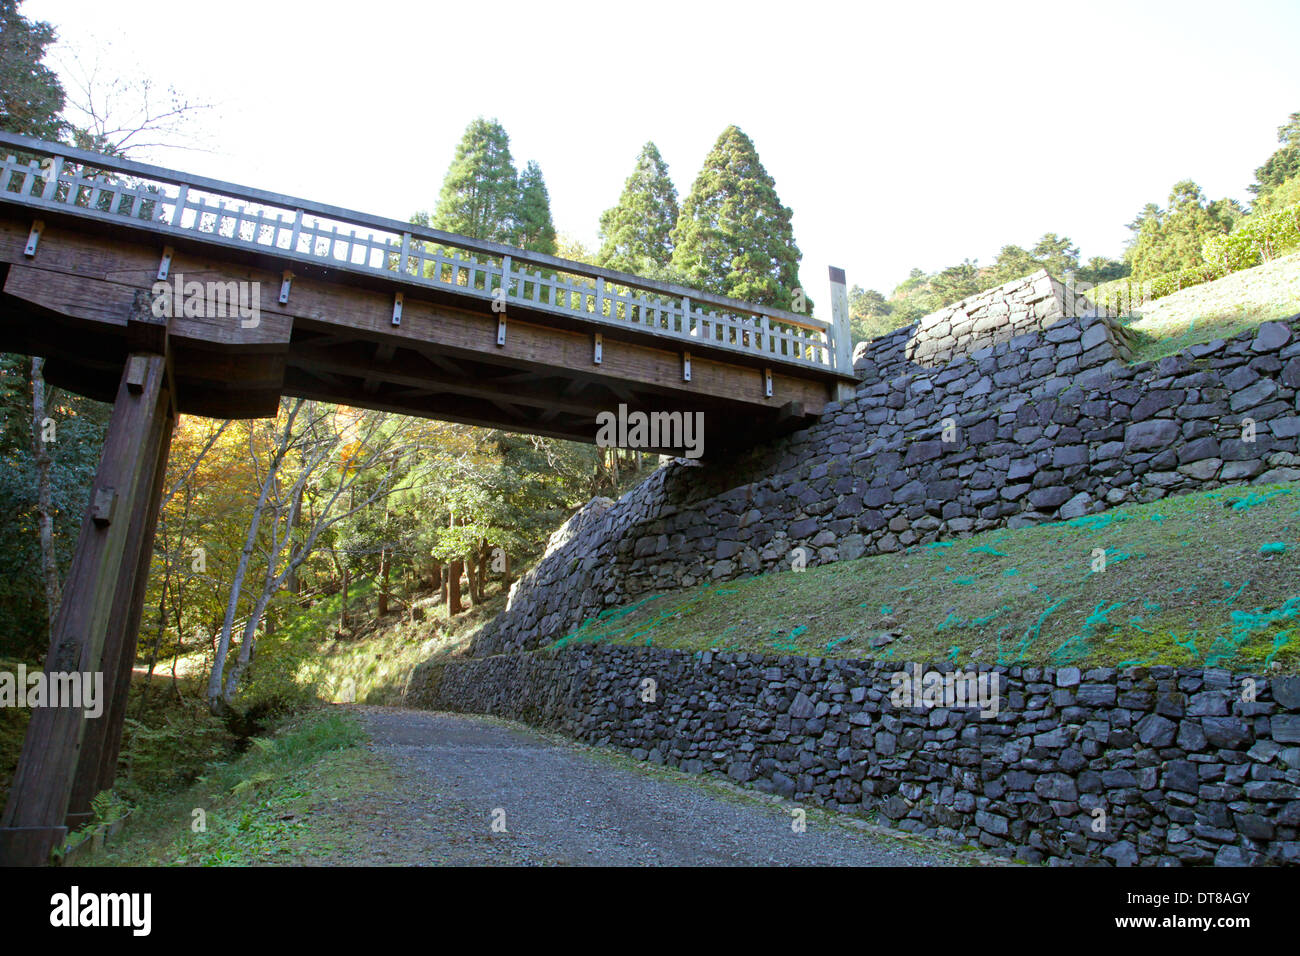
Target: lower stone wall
point(1188, 766)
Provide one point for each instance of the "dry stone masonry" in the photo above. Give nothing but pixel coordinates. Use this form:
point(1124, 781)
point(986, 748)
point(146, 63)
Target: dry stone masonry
point(1149, 765)
point(1034, 427)
point(1014, 407)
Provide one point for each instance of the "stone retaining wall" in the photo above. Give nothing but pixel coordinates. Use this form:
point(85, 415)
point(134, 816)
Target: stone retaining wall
point(1183, 765)
point(1048, 422)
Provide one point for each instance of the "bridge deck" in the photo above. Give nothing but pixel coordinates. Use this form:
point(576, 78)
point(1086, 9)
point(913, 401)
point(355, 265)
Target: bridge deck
point(375, 312)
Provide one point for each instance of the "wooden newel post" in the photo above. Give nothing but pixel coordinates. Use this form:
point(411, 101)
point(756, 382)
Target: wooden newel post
point(66, 750)
point(841, 333)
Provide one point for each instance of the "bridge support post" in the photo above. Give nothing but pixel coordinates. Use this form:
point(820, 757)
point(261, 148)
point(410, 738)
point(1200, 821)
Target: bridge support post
point(841, 332)
point(102, 740)
point(94, 630)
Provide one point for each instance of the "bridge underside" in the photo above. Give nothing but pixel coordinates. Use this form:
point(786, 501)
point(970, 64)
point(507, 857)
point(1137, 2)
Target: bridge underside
point(83, 302)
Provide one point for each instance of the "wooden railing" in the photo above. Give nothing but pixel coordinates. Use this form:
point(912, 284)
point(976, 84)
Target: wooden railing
point(58, 178)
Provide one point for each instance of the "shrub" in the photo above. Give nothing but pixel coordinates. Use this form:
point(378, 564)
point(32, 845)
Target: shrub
point(273, 685)
point(1256, 240)
point(1171, 282)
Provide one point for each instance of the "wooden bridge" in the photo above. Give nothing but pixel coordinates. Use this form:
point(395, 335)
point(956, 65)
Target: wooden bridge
point(167, 293)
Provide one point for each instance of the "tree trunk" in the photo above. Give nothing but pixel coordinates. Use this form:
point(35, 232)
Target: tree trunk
point(245, 648)
point(343, 607)
point(471, 590)
point(162, 625)
point(485, 566)
point(385, 567)
point(454, 606)
point(215, 701)
point(44, 496)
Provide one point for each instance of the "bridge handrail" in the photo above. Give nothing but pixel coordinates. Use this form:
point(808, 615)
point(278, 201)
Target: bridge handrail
point(412, 250)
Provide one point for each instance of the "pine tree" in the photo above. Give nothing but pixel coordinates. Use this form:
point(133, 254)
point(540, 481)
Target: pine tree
point(636, 234)
point(536, 230)
point(31, 96)
point(480, 193)
point(733, 236)
point(1170, 240)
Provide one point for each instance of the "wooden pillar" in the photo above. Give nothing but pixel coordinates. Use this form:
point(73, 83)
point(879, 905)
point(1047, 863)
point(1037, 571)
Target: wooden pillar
point(102, 571)
point(102, 739)
point(841, 334)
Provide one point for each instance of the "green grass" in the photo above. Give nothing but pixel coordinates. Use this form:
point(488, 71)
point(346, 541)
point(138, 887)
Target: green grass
point(1217, 310)
point(1197, 579)
point(263, 808)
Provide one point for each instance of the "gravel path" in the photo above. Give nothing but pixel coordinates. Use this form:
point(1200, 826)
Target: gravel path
point(567, 804)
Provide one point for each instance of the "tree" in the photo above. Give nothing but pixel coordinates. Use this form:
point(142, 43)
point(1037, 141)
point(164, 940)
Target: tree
point(1280, 197)
point(50, 455)
point(637, 234)
point(31, 96)
point(956, 283)
point(1057, 255)
point(734, 237)
point(1170, 240)
point(41, 399)
point(325, 464)
point(1013, 262)
point(480, 193)
point(571, 248)
point(1101, 269)
point(536, 231)
point(1284, 164)
point(121, 116)
point(870, 314)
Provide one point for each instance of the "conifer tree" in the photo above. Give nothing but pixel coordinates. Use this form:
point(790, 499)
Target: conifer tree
point(636, 234)
point(536, 229)
point(480, 194)
point(734, 237)
point(31, 96)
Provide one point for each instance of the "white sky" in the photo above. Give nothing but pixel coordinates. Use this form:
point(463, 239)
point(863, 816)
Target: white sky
point(902, 134)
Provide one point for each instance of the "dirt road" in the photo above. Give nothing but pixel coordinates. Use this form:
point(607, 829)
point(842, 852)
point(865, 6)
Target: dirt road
point(475, 790)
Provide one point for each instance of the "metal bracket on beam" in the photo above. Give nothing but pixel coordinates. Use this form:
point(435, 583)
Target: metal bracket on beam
point(599, 354)
point(686, 366)
point(767, 383)
point(397, 309)
point(501, 328)
point(165, 266)
point(286, 281)
point(33, 237)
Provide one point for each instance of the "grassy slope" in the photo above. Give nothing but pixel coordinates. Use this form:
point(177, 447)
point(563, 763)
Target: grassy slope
point(1186, 580)
point(273, 805)
point(372, 665)
point(1193, 579)
point(1219, 309)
